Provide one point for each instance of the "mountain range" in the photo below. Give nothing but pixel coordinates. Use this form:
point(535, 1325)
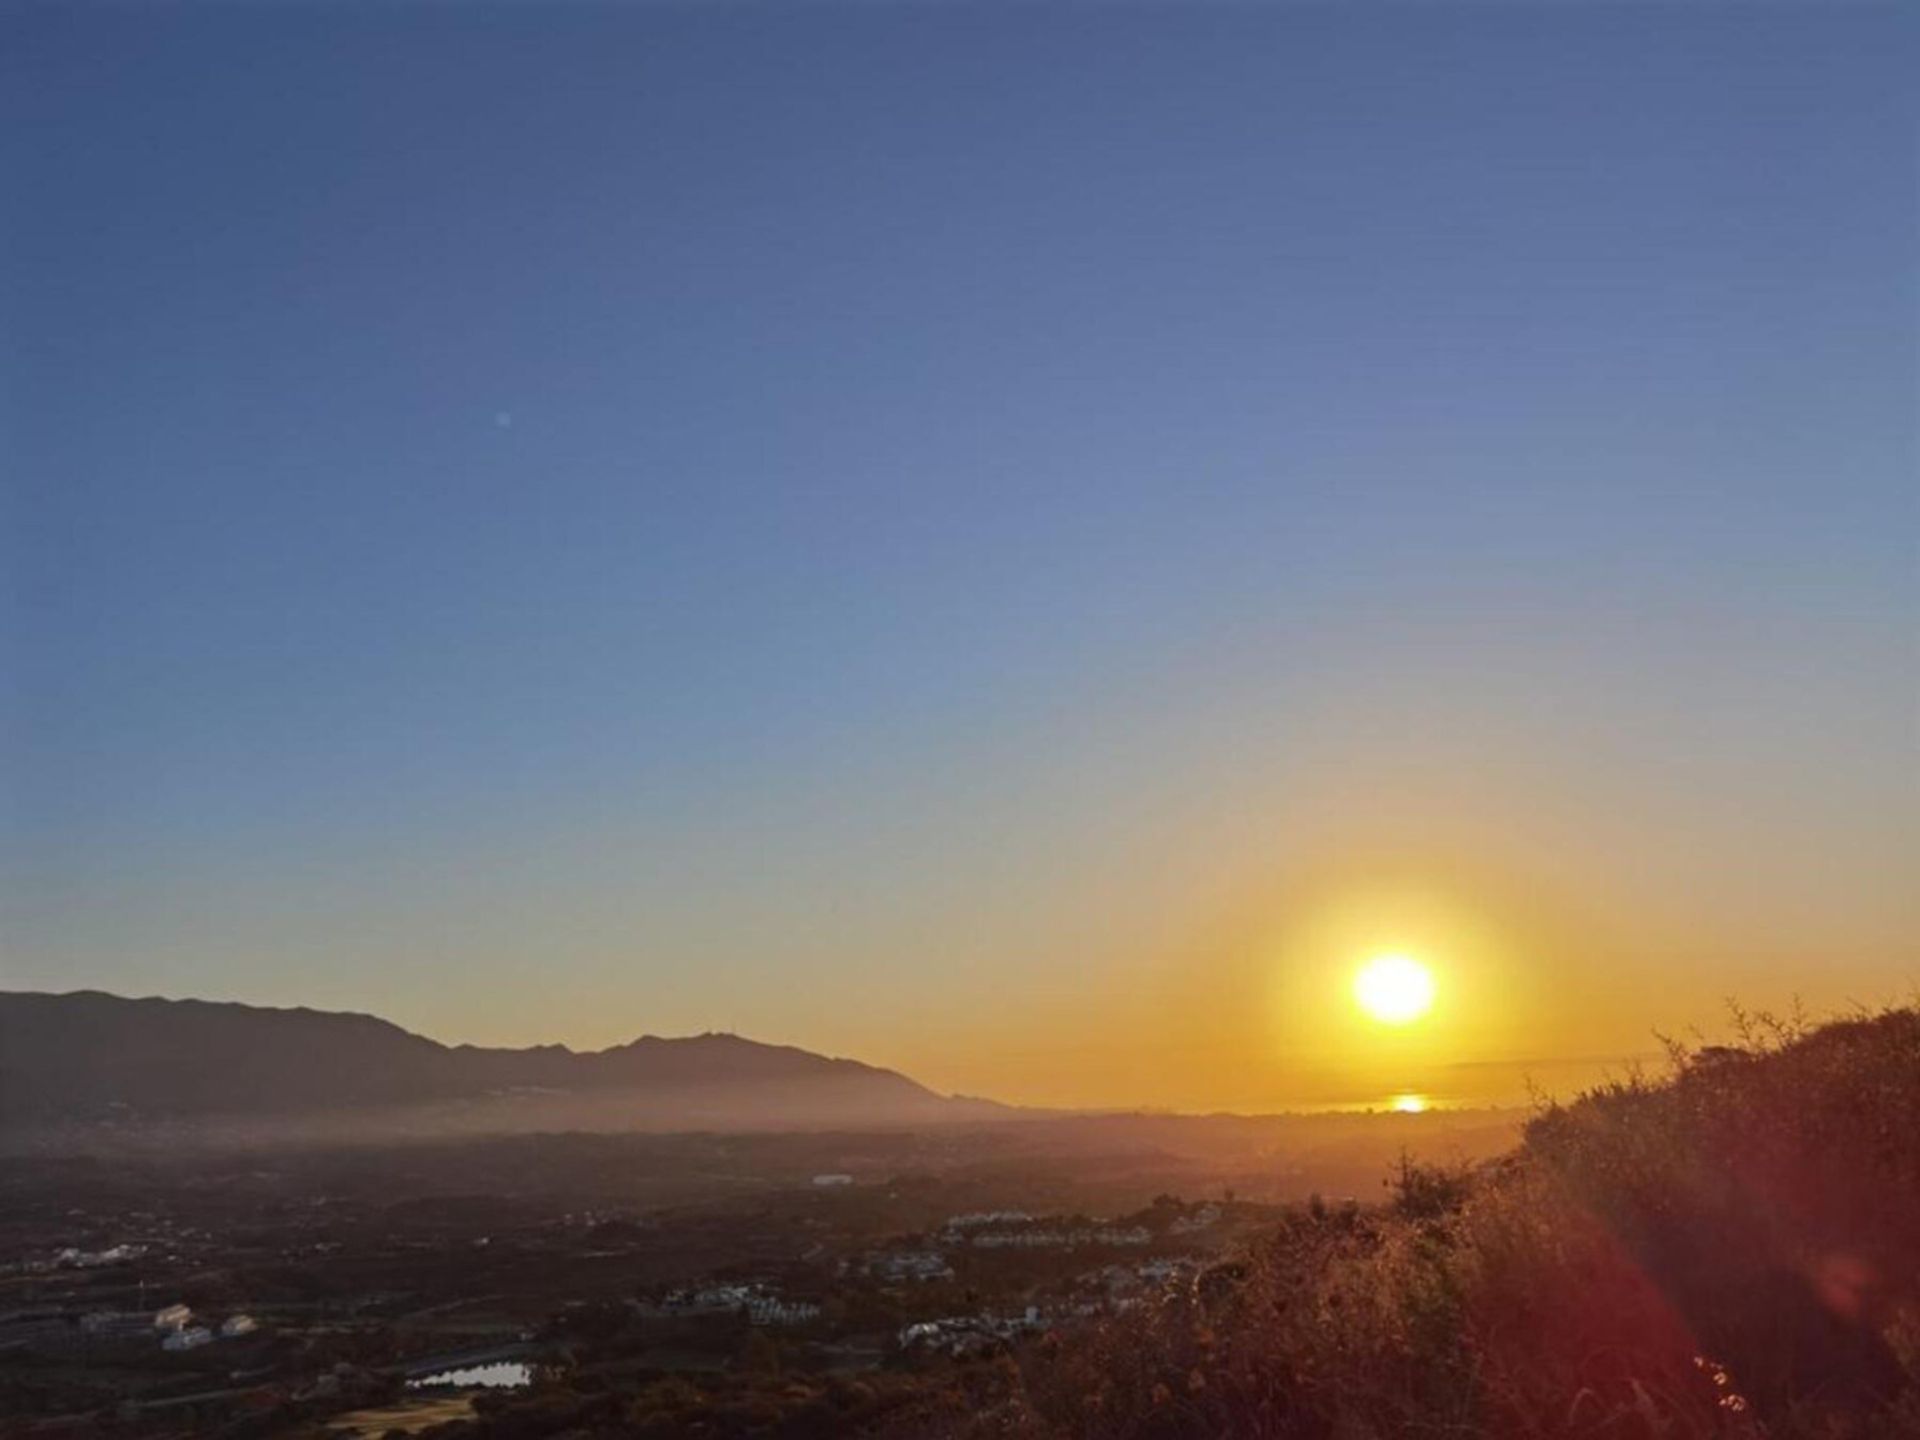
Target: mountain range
point(90, 1059)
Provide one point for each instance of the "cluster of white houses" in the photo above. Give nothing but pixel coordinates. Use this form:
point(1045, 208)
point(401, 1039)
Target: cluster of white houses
point(72, 1257)
point(970, 1334)
point(176, 1326)
point(1118, 1282)
point(907, 1265)
point(1017, 1230)
point(1060, 1239)
point(760, 1305)
point(1112, 1287)
point(977, 1219)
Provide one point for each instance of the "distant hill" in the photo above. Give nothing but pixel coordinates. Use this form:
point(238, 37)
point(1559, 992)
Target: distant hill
point(103, 1062)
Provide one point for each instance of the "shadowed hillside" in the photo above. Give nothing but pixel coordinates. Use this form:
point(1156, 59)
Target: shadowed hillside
point(1732, 1251)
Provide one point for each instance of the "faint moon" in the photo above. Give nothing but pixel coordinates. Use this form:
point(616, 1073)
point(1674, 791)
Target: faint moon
point(503, 419)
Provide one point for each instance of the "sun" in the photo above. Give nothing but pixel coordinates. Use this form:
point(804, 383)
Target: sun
point(1394, 989)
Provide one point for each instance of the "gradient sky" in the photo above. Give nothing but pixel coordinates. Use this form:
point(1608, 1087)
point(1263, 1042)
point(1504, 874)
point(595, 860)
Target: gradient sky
point(1017, 542)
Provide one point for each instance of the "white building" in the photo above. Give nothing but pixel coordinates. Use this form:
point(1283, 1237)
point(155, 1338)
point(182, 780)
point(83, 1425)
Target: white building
point(1060, 1239)
point(707, 1300)
point(74, 1259)
point(174, 1317)
point(909, 1265)
point(235, 1325)
point(974, 1219)
point(969, 1334)
point(771, 1310)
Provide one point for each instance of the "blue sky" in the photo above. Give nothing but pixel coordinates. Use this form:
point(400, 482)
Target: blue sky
point(850, 522)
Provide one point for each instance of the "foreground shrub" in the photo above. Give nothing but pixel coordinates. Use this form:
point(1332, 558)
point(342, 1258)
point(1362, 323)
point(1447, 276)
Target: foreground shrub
point(1731, 1252)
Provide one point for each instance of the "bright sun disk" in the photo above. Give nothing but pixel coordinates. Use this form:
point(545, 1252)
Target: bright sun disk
point(1394, 989)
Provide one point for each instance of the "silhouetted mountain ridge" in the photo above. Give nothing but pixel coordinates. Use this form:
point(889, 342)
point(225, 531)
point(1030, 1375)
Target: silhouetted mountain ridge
point(90, 1056)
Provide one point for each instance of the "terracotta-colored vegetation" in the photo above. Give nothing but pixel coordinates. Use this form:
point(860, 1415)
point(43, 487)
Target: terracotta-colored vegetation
point(1731, 1251)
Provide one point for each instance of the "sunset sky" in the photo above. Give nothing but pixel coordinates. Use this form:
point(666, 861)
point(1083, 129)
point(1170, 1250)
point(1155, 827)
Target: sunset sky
point(1018, 542)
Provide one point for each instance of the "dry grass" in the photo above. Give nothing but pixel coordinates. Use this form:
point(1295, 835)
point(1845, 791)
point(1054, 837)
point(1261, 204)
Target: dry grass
point(406, 1416)
point(1729, 1252)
